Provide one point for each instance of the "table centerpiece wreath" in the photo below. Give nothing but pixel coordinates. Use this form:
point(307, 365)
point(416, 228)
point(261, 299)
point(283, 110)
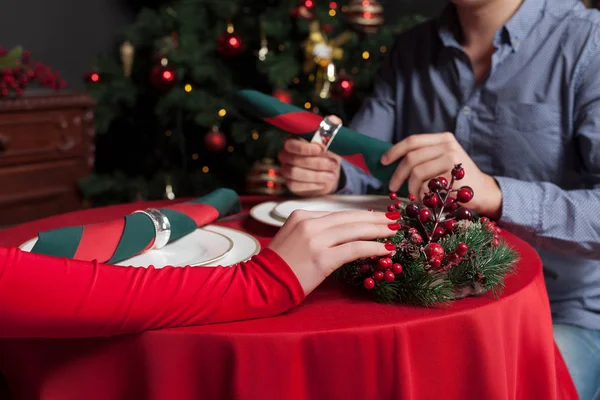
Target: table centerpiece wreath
point(442, 251)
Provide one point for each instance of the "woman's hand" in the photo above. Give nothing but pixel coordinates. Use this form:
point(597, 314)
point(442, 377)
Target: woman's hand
point(314, 244)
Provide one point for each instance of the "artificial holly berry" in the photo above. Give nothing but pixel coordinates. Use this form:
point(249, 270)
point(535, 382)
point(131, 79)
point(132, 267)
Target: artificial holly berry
point(495, 242)
point(434, 250)
point(378, 276)
point(397, 268)
point(449, 225)
point(365, 269)
point(389, 276)
point(385, 263)
point(390, 246)
point(452, 258)
point(416, 238)
point(412, 210)
point(443, 181)
point(398, 205)
point(424, 215)
point(431, 200)
point(435, 184)
point(393, 196)
point(458, 172)
point(434, 262)
point(439, 231)
point(391, 208)
point(463, 214)
point(462, 249)
point(412, 197)
point(465, 194)
point(484, 221)
point(369, 283)
point(412, 231)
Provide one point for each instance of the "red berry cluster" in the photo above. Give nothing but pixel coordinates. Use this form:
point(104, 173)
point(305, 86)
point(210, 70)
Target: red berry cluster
point(24, 72)
point(438, 260)
point(384, 269)
point(491, 226)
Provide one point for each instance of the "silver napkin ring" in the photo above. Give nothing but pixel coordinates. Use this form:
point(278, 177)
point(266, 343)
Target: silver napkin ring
point(162, 226)
point(326, 132)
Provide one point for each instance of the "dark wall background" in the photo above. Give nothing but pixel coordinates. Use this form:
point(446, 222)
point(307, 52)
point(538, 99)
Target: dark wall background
point(67, 34)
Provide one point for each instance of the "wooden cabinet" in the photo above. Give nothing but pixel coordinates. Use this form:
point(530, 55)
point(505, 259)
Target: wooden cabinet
point(46, 146)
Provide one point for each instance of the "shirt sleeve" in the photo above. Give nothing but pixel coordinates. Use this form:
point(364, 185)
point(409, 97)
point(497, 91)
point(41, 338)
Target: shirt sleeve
point(375, 118)
point(550, 218)
point(42, 296)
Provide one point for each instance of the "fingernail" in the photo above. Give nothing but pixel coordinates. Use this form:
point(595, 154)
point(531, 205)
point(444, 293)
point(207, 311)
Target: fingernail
point(394, 215)
point(394, 227)
point(390, 246)
point(393, 188)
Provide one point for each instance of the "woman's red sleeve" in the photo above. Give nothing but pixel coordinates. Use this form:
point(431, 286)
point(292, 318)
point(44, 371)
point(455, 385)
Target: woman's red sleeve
point(50, 297)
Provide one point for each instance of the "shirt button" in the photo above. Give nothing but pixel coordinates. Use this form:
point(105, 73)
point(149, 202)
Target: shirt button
point(466, 110)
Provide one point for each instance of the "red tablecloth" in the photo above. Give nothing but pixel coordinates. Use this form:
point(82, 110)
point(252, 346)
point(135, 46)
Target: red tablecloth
point(333, 346)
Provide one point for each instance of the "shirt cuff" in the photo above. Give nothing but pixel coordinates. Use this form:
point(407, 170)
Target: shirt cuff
point(521, 204)
point(355, 180)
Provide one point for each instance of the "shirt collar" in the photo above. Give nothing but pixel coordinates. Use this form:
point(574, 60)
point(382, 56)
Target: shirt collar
point(513, 32)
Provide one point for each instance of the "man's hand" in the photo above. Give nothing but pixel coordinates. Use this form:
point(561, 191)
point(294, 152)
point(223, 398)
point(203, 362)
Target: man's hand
point(308, 169)
point(430, 155)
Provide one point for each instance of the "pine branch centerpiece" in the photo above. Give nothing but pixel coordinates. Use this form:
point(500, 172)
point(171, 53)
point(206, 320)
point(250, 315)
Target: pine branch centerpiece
point(442, 251)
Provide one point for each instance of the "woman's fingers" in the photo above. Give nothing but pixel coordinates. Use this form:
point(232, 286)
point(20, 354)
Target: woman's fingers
point(352, 251)
point(355, 231)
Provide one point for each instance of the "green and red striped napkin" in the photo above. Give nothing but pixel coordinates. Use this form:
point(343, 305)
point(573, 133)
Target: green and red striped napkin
point(303, 123)
point(117, 240)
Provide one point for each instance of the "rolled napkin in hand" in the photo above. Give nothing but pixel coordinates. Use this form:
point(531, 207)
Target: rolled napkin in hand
point(114, 241)
point(340, 140)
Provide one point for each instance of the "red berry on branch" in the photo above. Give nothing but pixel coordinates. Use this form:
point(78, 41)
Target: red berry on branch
point(465, 194)
point(365, 269)
point(412, 231)
point(391, 208)
point(449, 225)
point(412, 210)
point(434, 250)
point(398, 205)
point(431, 200)
point(434, 262)
point(389, 276)
point(439, 231)
point(463, 214)
point(443, 181)
point(393, 196)
point(424, 215)
point(369, 283)
point(416, 238)
point(385, 263)
point(412, 197)
point(480, 276)
point(452, 258)
point(462, 249)
point(495, 242)
point(397, 268)
point(378, 276)
point(458, 172)
point(435, 184)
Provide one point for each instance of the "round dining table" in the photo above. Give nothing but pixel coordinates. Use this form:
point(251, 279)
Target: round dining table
point(334, 345)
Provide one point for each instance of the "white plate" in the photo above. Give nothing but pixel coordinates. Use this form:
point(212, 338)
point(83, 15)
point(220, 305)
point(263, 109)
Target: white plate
point(201, 247)
point(333, 203)
point(263, 212)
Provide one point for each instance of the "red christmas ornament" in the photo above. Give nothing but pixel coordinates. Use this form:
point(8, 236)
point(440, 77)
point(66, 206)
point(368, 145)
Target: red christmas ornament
point(283, 96)
point(215, 140)
point(378, 276)
point(92, 77)
point(343, 87)
point(397, 268)
point(424, 215)
point(163, 77)
point(434, 250)
point(230, 45)
point(458, 172)
point(462, 249)
point(431, 200)
point(389, 276)
point(369, 283)
point(365, 15)
point(464, 194)
point(385, 263)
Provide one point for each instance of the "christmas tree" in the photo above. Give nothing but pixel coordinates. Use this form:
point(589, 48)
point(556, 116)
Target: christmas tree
point(166, 126)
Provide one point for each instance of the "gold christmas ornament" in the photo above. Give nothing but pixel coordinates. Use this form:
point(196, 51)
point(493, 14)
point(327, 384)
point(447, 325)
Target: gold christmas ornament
point(265, 178)
point(320, 54)
point(365, 15)
point(127, 52)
